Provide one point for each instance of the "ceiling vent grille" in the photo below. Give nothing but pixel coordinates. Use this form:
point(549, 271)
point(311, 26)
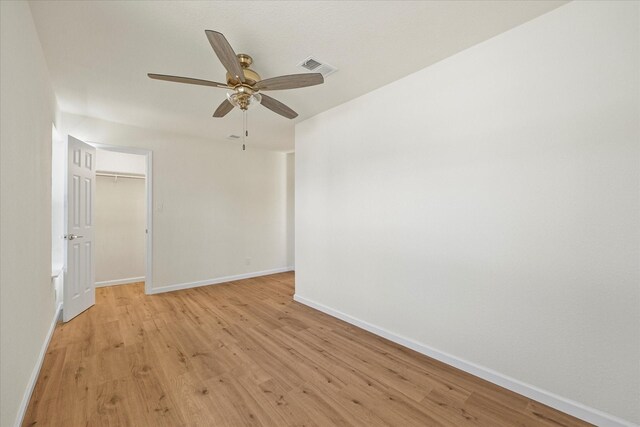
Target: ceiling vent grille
point(311, 64)
point(316, 66)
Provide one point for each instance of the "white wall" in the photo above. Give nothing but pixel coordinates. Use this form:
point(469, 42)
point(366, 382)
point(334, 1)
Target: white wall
point(291, 191)
point(488, 206)
point(218, 211)
point(58, 183)
point(27, 300)
point(120, 223)
point(114, 161)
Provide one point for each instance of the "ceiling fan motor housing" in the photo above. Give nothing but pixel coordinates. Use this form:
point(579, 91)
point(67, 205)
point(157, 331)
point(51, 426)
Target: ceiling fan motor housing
point(250, 76)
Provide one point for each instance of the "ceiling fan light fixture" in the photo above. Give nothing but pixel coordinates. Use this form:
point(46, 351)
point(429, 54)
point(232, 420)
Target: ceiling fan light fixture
point(244, 100)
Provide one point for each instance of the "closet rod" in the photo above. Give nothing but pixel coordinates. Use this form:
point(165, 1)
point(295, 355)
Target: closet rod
point(118, 175)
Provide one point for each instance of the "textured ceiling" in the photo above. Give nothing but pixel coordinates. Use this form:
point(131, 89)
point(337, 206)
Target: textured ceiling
point(99, 52)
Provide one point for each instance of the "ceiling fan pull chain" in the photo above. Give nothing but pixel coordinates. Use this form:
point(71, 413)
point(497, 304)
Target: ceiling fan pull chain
point(245, 133)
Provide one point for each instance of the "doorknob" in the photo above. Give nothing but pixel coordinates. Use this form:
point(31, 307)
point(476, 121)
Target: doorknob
point(72, 236)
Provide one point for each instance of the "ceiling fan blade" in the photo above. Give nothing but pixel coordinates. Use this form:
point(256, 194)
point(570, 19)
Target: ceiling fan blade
point(278, 107)
point(188, 80)
point(292, 81)
point(225, 53)
point(223, 109)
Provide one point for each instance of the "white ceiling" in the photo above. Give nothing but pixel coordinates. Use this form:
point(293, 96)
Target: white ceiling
point(99, 53)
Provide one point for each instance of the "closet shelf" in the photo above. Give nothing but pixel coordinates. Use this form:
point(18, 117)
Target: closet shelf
point(120, 175)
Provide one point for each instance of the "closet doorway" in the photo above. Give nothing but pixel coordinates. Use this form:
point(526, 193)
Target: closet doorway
point(123, 216)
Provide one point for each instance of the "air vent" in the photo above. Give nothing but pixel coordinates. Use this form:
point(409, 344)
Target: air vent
point(233, 137)
point(311, 64)
point(317, 66)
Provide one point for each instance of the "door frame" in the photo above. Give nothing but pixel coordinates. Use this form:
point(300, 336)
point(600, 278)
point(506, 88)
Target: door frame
point(148, 277)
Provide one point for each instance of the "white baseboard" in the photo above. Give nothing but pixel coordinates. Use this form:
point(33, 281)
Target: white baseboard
point(217, 280)
point(560, 403)
point(119, 282)
point(36, 369)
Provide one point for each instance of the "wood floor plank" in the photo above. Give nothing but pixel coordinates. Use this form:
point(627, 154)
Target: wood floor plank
point(244, 353)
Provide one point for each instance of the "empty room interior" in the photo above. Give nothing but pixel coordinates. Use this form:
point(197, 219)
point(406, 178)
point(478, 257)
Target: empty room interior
point(320, 213)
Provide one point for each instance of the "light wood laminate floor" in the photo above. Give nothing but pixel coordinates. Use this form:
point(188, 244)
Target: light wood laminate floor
point(245, 353)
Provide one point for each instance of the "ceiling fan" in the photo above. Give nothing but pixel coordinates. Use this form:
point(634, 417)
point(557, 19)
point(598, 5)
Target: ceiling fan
point(246, 83)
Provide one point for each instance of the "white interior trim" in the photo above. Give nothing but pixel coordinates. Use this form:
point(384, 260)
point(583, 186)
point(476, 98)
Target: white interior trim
point(148, 283)
point(119, 282)
point(56, 270)
point(560, 403)
point(218, 280)
point(36, 369)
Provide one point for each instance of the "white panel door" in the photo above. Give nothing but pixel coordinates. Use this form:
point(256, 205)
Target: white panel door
point(79, 274)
